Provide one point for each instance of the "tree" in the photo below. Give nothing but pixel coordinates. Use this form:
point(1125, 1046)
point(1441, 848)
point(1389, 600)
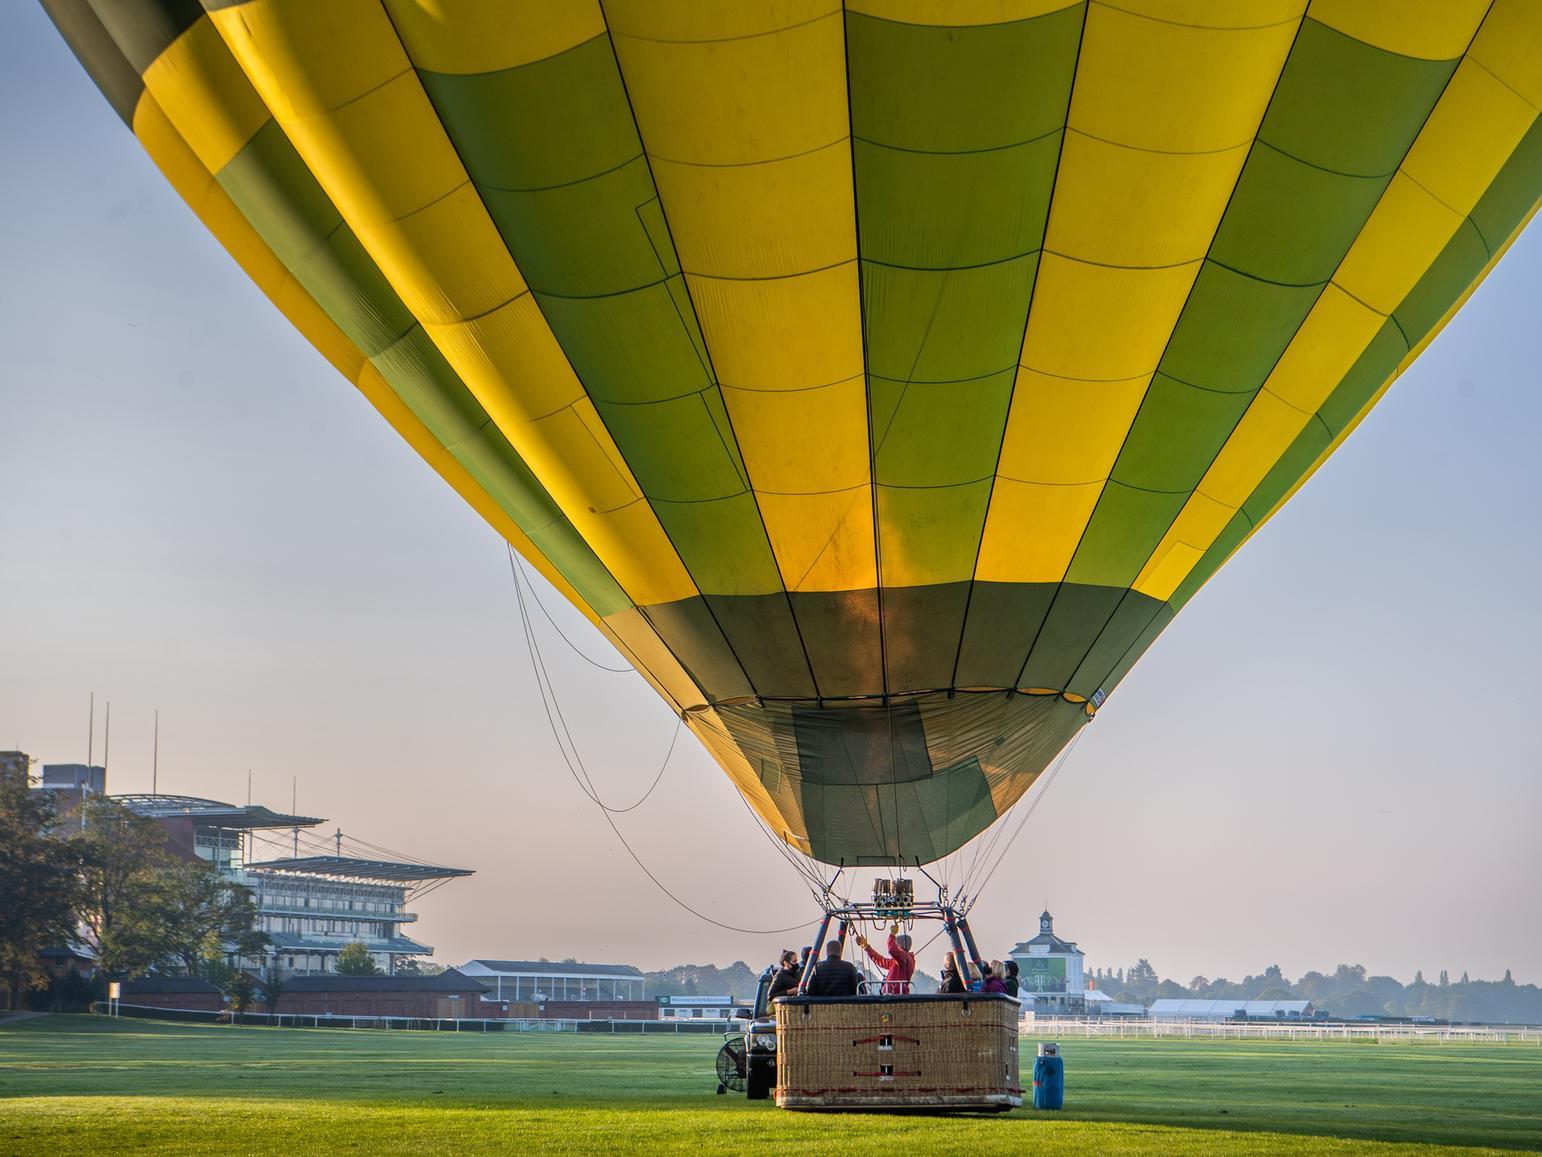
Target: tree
point(130, 898)
point(242, 992)
point(272, 984)
point(355, 960)
point(1143, 972)
point(417, 966)
point(212, 916)
point(38, 878)
point(1199, 984)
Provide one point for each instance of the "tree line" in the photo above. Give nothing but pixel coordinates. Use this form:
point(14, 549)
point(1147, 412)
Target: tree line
point(1347, 991)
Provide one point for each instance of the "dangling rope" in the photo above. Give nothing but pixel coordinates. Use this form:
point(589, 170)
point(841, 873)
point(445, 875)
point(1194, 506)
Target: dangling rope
point(581, 775)
point(560, 633)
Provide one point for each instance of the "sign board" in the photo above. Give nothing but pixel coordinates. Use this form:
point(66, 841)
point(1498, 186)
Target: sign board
point(114, 989)
point(1042, 974)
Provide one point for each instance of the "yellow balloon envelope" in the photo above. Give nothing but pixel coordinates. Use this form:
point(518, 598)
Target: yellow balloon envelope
point(881, 379)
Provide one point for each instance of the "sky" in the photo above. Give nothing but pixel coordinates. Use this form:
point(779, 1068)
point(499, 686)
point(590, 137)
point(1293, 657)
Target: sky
point(1331, 756)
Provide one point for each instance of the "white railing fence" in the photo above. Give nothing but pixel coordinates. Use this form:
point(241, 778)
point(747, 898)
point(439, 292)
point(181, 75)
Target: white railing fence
point(1057, 1028)
point(423, 1023)
point(1135, 1029)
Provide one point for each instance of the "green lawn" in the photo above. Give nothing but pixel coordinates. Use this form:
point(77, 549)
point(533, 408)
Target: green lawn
point(81, 1084)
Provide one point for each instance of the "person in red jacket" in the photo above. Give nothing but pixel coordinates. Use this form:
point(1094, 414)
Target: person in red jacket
point(899, 966)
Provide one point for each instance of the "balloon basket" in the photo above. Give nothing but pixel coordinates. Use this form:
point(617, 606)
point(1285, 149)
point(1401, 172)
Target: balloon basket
point(928, 1053)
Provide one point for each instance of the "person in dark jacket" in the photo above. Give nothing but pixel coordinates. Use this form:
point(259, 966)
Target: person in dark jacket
point(1010, 979)
point(785, 982)
point(952, 981)
point(834, 976)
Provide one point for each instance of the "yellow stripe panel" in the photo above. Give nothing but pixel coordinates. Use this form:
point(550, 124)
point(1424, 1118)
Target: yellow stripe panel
point(1399, 242)
point(1326, 347)
point(1061, 441)
point(340, 83)
point(1031, 531)
point(1461, 150)
point(1161, 121)
point(465, 37)
point(1102, 323)
point(958, 13)
point(197, 79)
point(1166, 205)
point(185, 172)
point(1216, 13)
point(1510, 44)
point(1428, 29)
point(1478, 117)
point(742, 109)
point(704, 22)
point(774, 219)
point(1154, 85)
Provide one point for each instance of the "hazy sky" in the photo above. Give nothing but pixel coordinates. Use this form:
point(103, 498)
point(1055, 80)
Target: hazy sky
point(1333, 755)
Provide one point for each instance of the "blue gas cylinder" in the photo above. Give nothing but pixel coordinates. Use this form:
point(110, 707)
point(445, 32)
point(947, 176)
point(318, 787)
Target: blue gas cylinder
point(1048, 1080)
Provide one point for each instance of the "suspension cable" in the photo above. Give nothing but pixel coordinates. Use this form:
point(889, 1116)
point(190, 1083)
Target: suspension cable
point(581, 776)
point(560, 633)
point(1033, 806)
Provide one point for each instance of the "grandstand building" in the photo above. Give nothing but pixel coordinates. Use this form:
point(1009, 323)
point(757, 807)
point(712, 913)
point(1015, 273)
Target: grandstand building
point(311, 902)
point(310, 906)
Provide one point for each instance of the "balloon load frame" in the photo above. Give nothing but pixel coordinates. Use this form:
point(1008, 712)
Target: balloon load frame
point(877, 1049)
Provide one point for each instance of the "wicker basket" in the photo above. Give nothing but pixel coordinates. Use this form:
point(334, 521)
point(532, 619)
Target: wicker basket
point(898, 1052)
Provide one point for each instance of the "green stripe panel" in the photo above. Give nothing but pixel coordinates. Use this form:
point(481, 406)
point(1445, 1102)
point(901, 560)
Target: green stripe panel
point(95, 48)
point(553, 150)
point(278, 195)
point(143, 29)
point(957, 135)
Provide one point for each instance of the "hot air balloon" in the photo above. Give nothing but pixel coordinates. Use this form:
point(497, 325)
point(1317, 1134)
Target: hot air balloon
point(881, 379)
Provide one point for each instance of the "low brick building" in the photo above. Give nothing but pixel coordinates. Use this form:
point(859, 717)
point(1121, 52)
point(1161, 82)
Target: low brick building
point(595, 1010)
point(449, 995)
point(173, 992)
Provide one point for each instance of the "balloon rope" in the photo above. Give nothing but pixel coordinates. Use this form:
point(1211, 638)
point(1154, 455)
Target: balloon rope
point(560, 634)
point(1028, 813)
point(581, 776)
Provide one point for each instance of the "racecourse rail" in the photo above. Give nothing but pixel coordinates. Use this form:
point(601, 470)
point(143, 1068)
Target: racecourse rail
point(1059, 1028)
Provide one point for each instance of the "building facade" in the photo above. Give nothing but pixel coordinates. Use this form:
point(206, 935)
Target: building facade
point(702, 1007)
point(1052, 973)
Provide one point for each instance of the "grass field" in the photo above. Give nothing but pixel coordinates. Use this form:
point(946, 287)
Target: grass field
point(71, 1084)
